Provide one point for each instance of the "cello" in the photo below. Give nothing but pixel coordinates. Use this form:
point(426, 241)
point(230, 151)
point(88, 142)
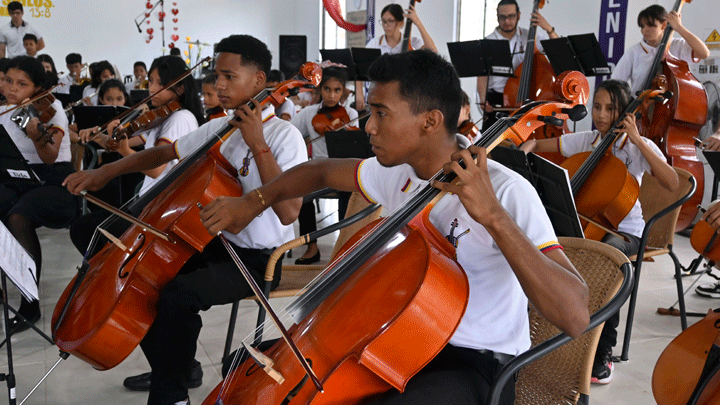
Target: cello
point(536, 82)
point(604, 190)
point(406, 39)
point(395, 327)
point(673, 124)
point(107, 309)
point(686, 373)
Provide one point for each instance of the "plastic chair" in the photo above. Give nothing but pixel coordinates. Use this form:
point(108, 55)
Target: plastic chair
point(556, 370)
point(661, 209)
point(295, 277)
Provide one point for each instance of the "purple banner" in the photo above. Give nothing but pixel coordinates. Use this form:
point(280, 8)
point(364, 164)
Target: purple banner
point(611, 33)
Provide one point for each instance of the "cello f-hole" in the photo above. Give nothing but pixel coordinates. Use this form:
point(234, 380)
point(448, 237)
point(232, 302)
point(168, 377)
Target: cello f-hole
point(139, 242)
point(297, 388)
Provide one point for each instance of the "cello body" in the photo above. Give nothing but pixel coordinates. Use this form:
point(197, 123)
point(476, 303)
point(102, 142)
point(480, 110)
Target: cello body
point(679, 367)
point(115, 302)
point(607, 196)
point(673, 125)
point(373, 333)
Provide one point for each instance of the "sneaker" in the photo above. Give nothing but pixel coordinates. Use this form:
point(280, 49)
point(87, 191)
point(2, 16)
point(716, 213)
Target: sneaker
point(602, 368)
point(710, 290)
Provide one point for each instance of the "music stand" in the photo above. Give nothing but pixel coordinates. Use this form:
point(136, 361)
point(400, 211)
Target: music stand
point(76, 92)
point(576, 52)
point(14, 168)
point(484, 57)
point(64, 98)
point(552, 184)
point(89, 116)
point(343, 57)
point(137, 96)
point(363, 58)
point(348, 144)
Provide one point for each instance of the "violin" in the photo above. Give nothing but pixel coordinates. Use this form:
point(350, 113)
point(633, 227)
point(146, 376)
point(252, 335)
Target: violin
point(686, 373)
point(215, 112)
point(604, 190)
point(673, 124)
point(38, 107)
point(469, 129)
point(406, 293)
point(406, 39)
point(148, 120)
point(107, 309)
point(331, 119)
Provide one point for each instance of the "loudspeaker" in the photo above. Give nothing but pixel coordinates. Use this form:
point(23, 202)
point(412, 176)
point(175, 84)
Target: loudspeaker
point(293, 53)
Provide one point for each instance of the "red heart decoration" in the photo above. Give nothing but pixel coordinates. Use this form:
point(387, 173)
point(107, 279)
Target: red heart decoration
point(151, 37)
point(175, 37)
point(162, 27)
point(150, 31)
point(175, 28)
point(172, 45)
point(148, 21)
point(175, 20)
point(147, 14)
point(160, 19)
point(161, 14)
point(174, 3)
point(175, 11)
point(149, 5)
point(147, 41)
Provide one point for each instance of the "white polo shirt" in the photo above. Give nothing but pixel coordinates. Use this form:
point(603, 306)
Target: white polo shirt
point(26, 145)
point(12, 37)
point(380, 43)
point(286, 145)
point(623, 149)
point(180, 123)
point(634, 65)
point(303, 122)
point(496, 317)
point(518, 44)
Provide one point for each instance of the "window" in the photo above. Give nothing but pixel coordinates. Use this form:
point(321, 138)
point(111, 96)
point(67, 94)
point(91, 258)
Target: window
point(477, 18)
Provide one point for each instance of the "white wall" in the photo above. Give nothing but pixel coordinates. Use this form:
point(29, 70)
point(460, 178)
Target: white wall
point(105, 29)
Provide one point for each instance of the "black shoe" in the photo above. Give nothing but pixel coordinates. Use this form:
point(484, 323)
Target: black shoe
point(602, 367)
point(309, 260)
point(141, 382)
point(17, 325)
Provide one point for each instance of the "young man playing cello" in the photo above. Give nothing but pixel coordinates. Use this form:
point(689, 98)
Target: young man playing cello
point(508, 251)
point(263, 148)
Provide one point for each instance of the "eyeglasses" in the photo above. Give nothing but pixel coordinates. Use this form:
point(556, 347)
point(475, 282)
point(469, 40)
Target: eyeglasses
point(506, 17)
point(388, 22)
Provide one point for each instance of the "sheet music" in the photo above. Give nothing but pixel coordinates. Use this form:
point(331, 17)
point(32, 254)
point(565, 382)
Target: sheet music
point(17, 264)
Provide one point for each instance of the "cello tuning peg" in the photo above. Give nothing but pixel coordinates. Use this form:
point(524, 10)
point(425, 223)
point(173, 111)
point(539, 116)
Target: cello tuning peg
point(576, 113)
point(668, 95)
point(551, 120)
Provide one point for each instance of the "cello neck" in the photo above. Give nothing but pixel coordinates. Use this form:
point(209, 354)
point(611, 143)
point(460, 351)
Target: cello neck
point(578, 180)
point(661, 49)
point(407, 32)
point(527, 70)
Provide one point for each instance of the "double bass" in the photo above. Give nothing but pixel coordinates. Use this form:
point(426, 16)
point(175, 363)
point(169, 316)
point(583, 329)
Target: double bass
point(536, 81)
point(674, 123)
point(107, 309)
point(369, 322)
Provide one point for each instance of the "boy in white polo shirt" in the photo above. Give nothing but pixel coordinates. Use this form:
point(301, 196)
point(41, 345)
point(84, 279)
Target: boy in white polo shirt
point(263, 148)
point(503, 238)
point(12, 33)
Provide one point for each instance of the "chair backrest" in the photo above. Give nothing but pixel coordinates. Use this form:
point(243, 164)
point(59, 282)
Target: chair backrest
point(356, 204)
point(654, 198)
point(563, 374)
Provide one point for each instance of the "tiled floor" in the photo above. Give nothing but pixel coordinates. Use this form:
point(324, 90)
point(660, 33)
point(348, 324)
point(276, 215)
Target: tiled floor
point(75, 382)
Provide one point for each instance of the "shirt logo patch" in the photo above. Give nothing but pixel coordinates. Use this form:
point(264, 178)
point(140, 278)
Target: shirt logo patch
point(451, 237)
point(245, 169)
point(406, 187)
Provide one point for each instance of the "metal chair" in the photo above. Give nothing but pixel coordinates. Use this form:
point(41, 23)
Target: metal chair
point(556, 370)
point(661, 209)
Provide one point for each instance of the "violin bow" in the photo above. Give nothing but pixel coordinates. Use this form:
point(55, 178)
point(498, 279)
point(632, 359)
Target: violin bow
point(150, 96)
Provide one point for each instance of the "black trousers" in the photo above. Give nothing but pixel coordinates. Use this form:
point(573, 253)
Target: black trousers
point(456, 375)
point(207, 279)
point(493, 98)
point(608, 337)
